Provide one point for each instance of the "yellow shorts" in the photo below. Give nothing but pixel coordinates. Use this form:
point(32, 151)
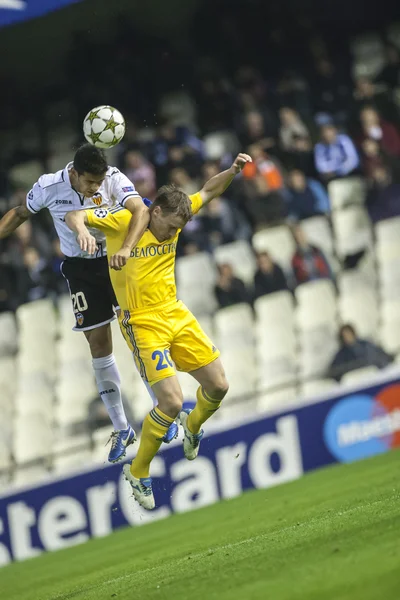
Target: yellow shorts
point(163, 336)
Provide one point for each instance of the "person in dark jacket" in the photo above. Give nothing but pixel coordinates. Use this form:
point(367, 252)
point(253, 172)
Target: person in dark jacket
point(308, 262)
point(229, 289)
point(269, 277)
point(306, 197)
point(355, 353)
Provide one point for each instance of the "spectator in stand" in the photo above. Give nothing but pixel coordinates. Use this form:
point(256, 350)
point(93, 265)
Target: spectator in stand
point(291, 129)
point(142, 172)
point(181, 178)
point(263, 188)
point(308, 262)
point(269, 277)
point(36, 280)
point(355, 353)
point(229, 289)
point(373, 156)
point(259, 129)
point(375, 128)
point(368, 93)
point(306, 197)
point(383, 197)
point(390, 74)
point(335, 155)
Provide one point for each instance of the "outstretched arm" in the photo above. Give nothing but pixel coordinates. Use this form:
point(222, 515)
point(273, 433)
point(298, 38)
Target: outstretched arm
point(216, 186)
point(77, 220)
point(137, 227)
point(13, 219)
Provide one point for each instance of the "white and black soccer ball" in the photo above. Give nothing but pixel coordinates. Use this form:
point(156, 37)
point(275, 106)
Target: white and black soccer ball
point(104, 126)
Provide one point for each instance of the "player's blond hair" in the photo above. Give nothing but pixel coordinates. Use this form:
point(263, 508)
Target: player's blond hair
point(172, 200)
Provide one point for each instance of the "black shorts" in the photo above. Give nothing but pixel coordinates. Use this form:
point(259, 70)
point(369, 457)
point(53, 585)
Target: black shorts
point(92, 295)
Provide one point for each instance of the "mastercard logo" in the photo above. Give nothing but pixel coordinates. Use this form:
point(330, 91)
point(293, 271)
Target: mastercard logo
point(362, 425)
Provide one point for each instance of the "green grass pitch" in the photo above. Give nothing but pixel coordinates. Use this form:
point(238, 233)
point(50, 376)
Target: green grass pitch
point(332, 535)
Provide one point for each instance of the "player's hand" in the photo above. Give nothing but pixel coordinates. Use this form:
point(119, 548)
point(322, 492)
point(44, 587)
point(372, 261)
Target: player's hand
point(87, 242)
point(119, 259)
point(240, 162)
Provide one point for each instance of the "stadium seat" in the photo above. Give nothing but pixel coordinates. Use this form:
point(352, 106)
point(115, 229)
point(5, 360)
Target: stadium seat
point(33, 438)
point(30, 475)
point(355, 281)
point(278, 242)
point(196, 277)
point(37, 317)
point(189, 386)
point(9, 334)
point(23, 174)
point(278, 400)
point(317, 387)
point(239, 364)
point(345, 192)
point(362, 375)
point(234, 326)
point(217, 144)
point(71, 454)
point(317, 348)
point(241, 256)
point(352, 230)
point(274, 307)
point(35, 394)
point(277, 371)
point(390, 326)
point(178, 108)
point(389, 274)
point(8, 381)
point(360, 309)
point(319, 234)
point(388, 231)
point(316, 303)
point(368, 66)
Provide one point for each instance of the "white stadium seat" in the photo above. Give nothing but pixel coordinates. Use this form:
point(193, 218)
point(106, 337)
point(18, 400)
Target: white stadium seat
point(319, 233)
point(37, 317)
point(388, 231)
point(217, 144)
point(33, 438)
point(360, 309)
point(274, 307)
point(278, 400)
point(196, 277)
point(316, 303)
point(352, 229)
point(71, 454)
point(345, 192)
point(234, 326)
point(317, 349)
point(241, 256)
point(355, 281)
point(317, 387)
point(390, 326)
point(30, 475)
point(8, 381)
point(9, 334)
point(361, 376)
point(278, 242)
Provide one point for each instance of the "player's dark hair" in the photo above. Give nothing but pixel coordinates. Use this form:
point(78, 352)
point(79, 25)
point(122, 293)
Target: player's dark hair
point(90, 159)
point(172, 200)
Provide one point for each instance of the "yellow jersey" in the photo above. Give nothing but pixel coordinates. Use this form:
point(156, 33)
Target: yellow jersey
point(148, 279)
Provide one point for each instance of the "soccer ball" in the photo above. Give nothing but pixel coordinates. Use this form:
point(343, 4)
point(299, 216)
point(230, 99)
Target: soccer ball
point(104, 126)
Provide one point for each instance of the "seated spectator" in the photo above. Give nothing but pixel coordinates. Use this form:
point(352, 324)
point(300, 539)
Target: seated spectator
point(335, 155)
point(269, 277)
point(142, 172)
point(368, 93)
point(222, 223)
point(373, 156)
point(229, 289)
point(383, 197)
point(308, 262)
point(375, 128)
point(355, 353)
point(181, 178)
point(263, 188)
point(292, 128)
point(36, 280)
point(306, 197)
point(259, 129)
point(390, 74)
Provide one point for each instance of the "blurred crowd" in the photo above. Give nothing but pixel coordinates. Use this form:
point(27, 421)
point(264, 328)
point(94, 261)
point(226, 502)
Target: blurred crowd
point(296, 109)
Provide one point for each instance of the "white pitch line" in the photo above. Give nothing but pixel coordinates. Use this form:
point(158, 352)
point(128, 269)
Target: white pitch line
point(230, 546)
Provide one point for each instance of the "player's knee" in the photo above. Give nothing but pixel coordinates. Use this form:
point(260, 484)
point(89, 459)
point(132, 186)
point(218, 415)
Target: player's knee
point(171, 403)
point(219, 386)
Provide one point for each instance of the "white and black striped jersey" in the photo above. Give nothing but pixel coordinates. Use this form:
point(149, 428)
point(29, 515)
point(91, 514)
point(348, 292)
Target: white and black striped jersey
point(54, 192)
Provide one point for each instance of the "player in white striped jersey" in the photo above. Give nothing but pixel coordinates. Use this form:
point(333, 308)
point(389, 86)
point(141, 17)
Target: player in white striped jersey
point(85, 183)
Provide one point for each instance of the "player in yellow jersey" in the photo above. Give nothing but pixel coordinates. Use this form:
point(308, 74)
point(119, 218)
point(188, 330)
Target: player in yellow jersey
point(161, 332)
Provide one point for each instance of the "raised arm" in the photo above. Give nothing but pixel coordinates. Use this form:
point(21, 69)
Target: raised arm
point(77, 221)
point(137, 227)
point(13, 219)
point(216, 186)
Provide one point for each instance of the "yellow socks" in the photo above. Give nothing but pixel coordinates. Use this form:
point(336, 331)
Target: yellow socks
point(155, 426)
point(204, 409)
